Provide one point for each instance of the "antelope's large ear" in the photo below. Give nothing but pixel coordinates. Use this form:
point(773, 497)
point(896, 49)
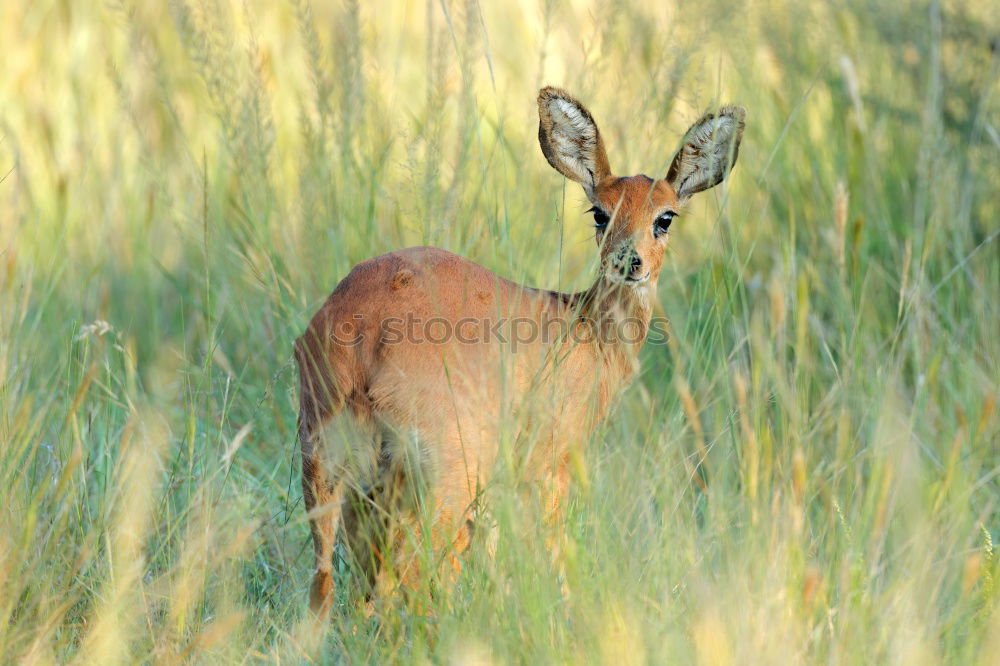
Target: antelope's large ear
point(570, 139)
point(709, 151)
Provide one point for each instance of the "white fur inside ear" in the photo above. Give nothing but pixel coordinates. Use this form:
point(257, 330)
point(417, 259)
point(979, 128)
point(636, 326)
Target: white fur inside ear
point(713, 138)
point(709, 149)
point(574, 138)
point(715, 131)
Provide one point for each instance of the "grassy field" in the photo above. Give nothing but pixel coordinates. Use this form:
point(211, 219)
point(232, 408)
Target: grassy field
point(809, 472)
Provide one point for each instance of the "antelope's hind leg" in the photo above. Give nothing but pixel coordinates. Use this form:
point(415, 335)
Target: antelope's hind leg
point(338, 458)
point(422, 528)
point(323, 497)
point(366, 523)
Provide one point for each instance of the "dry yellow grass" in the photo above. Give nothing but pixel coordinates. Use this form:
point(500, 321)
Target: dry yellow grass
point(808, 472)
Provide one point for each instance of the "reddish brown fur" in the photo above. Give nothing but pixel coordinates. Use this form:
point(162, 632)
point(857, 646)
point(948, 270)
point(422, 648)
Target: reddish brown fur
point(638, 200)
point(429, 417)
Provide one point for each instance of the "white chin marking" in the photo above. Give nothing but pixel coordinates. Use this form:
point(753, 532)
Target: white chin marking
point(618, 278)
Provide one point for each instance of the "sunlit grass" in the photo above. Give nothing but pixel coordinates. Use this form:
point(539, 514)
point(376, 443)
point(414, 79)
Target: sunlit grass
point(809, 471)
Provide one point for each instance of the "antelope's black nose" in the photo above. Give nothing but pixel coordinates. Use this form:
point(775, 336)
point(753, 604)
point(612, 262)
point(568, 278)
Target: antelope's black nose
point(636, 265)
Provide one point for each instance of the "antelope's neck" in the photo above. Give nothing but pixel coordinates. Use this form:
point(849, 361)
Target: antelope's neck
point(611, 304)
point(620, 316)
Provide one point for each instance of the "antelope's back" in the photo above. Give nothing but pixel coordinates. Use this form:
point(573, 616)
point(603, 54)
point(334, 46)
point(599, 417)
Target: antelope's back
point(422, 338)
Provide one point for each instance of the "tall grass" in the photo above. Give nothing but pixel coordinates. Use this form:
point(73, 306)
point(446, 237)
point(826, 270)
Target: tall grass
point(808, 472)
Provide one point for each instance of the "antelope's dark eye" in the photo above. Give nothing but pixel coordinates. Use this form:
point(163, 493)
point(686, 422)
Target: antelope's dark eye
point(601, 219)
point(662, 224)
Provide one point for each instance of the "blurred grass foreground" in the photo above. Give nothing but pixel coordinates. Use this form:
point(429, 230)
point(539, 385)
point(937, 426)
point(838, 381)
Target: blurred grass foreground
point(809, 472)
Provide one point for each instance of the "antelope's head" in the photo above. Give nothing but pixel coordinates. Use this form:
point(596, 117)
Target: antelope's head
point(632, 215)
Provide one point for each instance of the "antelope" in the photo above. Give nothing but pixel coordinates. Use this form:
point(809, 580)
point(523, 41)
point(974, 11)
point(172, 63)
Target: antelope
point(391, 422)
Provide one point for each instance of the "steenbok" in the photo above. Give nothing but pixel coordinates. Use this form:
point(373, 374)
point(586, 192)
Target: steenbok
point(413, 344)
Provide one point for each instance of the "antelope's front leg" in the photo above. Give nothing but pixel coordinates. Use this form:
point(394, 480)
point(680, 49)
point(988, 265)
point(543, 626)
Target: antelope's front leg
point(556, 492)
